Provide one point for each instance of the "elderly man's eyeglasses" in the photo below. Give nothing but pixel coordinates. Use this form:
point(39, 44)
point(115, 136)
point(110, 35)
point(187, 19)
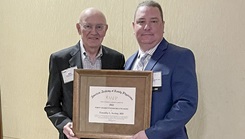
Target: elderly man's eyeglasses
point(89, 27)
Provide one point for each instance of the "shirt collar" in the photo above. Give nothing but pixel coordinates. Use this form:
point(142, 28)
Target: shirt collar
point(83, 52)
point(149, 52)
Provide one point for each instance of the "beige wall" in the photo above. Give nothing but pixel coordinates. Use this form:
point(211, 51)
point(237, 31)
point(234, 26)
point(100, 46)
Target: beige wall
point(30, 30)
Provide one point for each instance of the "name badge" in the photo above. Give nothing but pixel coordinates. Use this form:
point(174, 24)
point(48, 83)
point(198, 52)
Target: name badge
point(68, 74)
point(157, 79)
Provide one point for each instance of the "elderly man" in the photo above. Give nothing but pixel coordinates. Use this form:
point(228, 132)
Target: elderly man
point(88, 53)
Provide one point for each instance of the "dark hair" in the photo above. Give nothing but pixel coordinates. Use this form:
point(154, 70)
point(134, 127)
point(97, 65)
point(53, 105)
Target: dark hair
point(150, 3)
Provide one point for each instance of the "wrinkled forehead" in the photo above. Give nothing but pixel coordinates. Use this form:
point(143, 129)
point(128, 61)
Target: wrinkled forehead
point(93, 17)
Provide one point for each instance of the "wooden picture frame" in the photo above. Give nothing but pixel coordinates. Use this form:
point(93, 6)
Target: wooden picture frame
point(84, 79)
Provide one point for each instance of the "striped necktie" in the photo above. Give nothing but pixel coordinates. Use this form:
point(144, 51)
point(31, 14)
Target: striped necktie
point(142, 62)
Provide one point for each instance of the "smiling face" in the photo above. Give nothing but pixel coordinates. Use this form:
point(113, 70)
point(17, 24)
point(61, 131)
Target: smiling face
point(148, 27)
point(92, 28)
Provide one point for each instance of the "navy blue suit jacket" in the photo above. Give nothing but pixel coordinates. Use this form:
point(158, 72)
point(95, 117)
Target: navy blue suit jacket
point(175, 102)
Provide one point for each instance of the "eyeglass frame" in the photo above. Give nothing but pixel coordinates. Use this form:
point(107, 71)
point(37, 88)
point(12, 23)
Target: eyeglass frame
point(89, 27)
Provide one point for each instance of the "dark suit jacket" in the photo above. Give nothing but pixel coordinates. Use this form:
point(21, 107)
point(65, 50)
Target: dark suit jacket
point(60, 95)
point(175, 102)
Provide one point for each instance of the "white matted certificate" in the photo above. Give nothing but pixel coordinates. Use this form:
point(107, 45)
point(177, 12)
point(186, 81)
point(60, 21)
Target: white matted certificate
point(114, 105)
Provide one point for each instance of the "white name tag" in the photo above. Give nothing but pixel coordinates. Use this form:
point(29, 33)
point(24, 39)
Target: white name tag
point(157, 79)
point(68, 74)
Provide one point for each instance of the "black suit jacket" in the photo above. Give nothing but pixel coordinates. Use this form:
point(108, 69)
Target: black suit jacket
point(60, 94)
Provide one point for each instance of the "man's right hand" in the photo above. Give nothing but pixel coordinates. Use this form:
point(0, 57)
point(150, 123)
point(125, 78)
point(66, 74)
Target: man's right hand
point(67, 130)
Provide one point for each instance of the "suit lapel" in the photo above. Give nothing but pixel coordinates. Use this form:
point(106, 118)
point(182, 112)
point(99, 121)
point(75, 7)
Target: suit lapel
point(76, 56)
point(104, 58)
point(160, 51)
point(130, 61)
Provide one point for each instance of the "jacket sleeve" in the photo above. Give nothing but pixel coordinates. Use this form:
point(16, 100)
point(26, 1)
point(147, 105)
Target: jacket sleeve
point(53, 106)
point(184, 92)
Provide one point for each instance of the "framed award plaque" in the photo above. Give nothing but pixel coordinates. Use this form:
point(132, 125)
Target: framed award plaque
point(113, 104)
